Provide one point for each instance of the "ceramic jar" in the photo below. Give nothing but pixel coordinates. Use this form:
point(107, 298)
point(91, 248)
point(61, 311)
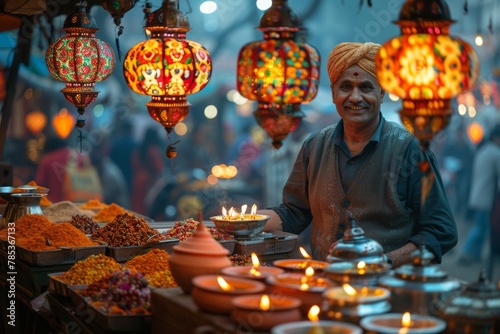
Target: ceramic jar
point(198, 255)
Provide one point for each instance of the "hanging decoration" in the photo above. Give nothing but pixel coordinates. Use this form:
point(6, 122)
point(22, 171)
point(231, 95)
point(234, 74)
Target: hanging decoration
point(167, 67)
point(80, 60)
point(279, 72)
point(426, 67)
point(62, 123)
point(35, 121)
point(117, 9)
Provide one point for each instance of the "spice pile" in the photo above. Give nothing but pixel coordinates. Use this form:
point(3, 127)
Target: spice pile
point(122, 292)
point(84, 224)
point(185, 228)
point(127, 230)
point(109, 212)
point(93, 204)
point(155, 268)
point(56, 235)
point(28, 225)
point(90, 270)
point(64, 211)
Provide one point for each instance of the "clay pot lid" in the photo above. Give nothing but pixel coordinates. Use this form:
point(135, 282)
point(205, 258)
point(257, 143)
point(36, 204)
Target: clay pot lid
point(201, 242)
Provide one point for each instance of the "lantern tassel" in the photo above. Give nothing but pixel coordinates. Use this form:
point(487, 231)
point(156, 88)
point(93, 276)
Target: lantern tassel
point(466, 7)
point(117, 41)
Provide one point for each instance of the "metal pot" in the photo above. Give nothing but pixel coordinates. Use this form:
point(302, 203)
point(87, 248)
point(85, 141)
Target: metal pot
point(420, 287)
point(25, 204)
point(355, 247)
point(474, 310)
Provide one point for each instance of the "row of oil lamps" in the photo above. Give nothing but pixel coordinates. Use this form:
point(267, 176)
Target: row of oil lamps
point(338, 296)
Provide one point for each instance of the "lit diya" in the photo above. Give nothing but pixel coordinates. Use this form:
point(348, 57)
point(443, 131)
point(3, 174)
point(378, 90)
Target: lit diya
point(240, 225)
point(255, 271)
point(348, 303)
point(406, 323)
point(299, 265)
point(262, 312)
point(214, 294)
point(361, 273)
point(316, 326)
point(306, 287)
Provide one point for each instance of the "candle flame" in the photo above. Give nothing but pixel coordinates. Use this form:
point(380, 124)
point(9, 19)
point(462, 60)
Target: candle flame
point(255, 260)
point(406, 320)
point(223, 284)
point(304, 253)
point(243, 209)
point(313, 313)
point(265, 303)
point(349, 289)
point(254, 210)
point(224, 212)
point(361, 265)
point(309, 272)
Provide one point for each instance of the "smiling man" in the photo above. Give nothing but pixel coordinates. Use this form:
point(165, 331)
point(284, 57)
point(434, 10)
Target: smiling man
point(366, 167)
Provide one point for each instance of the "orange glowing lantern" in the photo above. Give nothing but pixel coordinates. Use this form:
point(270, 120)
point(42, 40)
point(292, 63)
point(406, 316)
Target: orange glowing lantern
point(279, 72)
point(426, 67)
point(35, 121)
point(63, 122)
point(167, 67)
point(80, 60)
point(475, 132)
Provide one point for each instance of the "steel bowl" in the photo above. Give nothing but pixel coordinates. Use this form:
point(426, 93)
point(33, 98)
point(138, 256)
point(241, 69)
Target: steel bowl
point(241, 228)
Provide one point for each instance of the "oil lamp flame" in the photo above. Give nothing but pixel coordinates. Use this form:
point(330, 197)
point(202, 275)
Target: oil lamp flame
point(265, 303)
point(233, 214)
point(349, 290)
point(223, 284)
point(309, 272)
point(304, 253)
point(406, 320)
point(255, 260)
point(243, 210)
point(361, 265)
point(253, 211)
point(313, 313)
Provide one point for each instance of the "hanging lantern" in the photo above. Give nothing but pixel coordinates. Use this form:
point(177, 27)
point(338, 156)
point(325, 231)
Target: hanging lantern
point(279, 72)
point(117, 9)
point(80, 60)
point(35, 121)
point(426, 67)
point(167, 67)
point(62, 123)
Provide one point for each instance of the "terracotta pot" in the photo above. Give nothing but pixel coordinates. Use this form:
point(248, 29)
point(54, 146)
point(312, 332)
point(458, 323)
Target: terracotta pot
point(198, 255)
point(210, 297)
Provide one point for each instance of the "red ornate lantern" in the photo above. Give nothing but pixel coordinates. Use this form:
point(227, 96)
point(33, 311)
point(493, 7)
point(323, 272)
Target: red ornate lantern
point(279, 72)
point(168, 67)
point(426, 67)
point(80, 60)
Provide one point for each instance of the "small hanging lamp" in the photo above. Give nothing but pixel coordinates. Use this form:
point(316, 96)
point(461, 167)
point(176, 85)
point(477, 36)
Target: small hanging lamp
point(426, 67)
point(117, 9)
point(80, 60)
point(279, 72)
point(167, 67)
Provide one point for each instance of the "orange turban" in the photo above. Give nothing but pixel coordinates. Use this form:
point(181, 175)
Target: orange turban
point(347, 54)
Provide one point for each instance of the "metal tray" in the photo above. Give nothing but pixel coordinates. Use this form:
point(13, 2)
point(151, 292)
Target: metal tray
point(79, 301)
point(123, 254)
point(60, 287)
point(121, 323)
point(277, 242)
point(62, 255)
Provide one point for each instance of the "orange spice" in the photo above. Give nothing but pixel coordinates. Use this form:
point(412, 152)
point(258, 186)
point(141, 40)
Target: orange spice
point(153, 261)
point(90, 270)
point(109, 213)
point(93, 204)
point(44, 201)
point(58, 235)
point(28, 225)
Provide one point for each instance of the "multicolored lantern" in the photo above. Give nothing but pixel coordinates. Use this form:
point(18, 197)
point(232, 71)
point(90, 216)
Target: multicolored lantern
point(279, 72)
point(167, 67)
point(426, 67)
point(80, 59)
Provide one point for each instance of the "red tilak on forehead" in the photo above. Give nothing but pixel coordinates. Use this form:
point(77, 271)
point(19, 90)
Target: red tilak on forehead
point(356, 74)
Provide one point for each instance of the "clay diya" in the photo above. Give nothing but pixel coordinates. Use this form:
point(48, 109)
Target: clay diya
point(398, 323)
point(198, 255)
point(262, 312)
point(306, 287)
point(255, 271)
point(215, 293)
